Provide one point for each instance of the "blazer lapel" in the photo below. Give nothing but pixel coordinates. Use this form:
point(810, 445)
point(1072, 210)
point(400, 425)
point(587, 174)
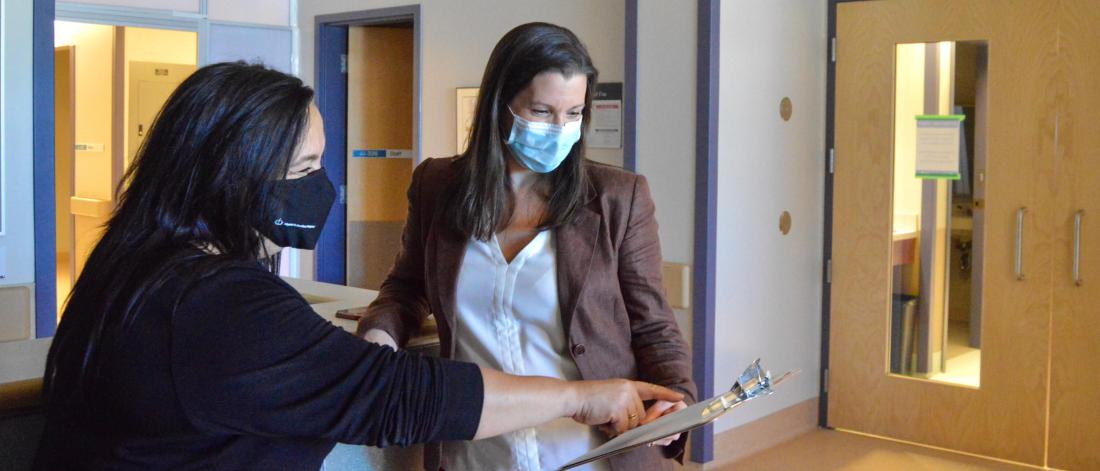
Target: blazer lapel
point(444, 265)
point(576, 244)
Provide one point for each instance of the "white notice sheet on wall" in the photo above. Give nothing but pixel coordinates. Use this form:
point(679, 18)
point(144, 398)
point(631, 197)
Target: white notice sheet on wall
point(606, 130)
point(939, 143)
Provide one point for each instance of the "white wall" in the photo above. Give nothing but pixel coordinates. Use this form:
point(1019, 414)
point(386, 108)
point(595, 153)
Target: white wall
point(16, 148)
point(769, 285)
point(666, 118)
point(175, 5)
point(457, 37)
point(269, 12)
point(666, 124)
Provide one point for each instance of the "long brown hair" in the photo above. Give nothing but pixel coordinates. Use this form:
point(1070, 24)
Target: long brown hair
point(484, 199)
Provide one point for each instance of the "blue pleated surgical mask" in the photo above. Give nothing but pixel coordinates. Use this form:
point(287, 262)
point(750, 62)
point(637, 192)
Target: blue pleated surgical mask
point(542, 147)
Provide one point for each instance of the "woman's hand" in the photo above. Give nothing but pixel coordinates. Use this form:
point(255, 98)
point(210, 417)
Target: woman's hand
point(616, 405)
point(660, 409)
point(380, 337)
point(516, 402)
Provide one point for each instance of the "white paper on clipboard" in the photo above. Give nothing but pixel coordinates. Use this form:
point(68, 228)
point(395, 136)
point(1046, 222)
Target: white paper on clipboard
point(754, 382)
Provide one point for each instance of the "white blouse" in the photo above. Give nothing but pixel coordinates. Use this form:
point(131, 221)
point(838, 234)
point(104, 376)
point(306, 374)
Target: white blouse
point(509, 319)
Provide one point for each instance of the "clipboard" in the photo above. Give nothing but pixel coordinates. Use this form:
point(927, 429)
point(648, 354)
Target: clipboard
point(754, 382)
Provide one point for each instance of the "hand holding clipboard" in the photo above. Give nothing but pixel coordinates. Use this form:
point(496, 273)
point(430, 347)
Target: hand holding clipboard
point(754, 382)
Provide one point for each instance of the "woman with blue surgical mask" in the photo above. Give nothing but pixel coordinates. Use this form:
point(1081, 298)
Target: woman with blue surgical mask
point(537, 261)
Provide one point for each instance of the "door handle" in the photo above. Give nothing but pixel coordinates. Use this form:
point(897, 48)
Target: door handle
point(1077, 247)
point(1020, 242)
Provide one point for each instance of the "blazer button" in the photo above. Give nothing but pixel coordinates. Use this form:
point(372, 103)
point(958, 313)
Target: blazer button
point(578, 349)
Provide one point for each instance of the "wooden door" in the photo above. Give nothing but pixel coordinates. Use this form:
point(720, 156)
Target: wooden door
point(1005, 416)
point(1075, 337)
point(64, 162)
point(380, 117)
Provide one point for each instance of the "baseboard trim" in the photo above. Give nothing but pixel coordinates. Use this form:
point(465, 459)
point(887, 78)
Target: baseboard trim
point(947, 450)
point(761, 434)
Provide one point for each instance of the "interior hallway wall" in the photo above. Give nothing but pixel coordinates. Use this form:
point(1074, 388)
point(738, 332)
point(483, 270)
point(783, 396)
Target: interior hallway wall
point(176, 5)
point(94, 47)
point(267, 12)
point(768, 285)
point(154, 45)
point(666, 124)
point(93, 168)
point(456, 39)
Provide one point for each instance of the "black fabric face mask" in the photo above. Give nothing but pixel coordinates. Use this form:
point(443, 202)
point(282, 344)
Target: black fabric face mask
point(300, 210)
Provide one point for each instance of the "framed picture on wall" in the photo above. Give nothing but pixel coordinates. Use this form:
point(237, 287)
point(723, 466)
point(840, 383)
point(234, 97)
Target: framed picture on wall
point(465, 105)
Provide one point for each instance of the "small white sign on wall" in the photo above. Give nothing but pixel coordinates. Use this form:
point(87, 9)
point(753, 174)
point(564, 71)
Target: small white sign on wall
point(939, 142)
point(381, 153)
point(606, 128)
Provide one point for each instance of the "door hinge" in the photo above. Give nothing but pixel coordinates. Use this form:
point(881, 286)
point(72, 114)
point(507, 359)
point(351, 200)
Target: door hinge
point(829, 271)
point(832, 161)
point(825, 380)
point(343, 194)
point(343, 63)
point(832, 49)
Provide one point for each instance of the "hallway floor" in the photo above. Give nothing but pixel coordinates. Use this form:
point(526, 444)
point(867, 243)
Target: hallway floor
point(835, 450)
point(964, 362)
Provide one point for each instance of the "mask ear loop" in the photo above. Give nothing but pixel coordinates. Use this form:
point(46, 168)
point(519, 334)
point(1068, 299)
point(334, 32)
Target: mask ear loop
point(516, 119)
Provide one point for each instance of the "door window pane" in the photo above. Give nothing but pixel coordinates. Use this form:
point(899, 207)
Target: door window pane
point(939, 163)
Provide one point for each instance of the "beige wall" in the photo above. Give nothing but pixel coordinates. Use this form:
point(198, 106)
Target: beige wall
point(94, 49)
point(94, 56)
point(154, 45)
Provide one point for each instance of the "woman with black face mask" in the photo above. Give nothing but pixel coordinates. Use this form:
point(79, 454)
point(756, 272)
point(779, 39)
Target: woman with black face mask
point(181, 349)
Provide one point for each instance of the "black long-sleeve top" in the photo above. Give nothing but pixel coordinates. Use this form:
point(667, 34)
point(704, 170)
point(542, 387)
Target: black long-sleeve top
point(244, 375)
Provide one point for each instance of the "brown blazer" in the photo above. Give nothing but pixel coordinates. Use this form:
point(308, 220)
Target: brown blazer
point(613, 304)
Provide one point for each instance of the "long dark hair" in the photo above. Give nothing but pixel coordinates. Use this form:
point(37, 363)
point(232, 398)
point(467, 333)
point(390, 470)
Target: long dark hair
point(203, 178)
point(483, 200)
